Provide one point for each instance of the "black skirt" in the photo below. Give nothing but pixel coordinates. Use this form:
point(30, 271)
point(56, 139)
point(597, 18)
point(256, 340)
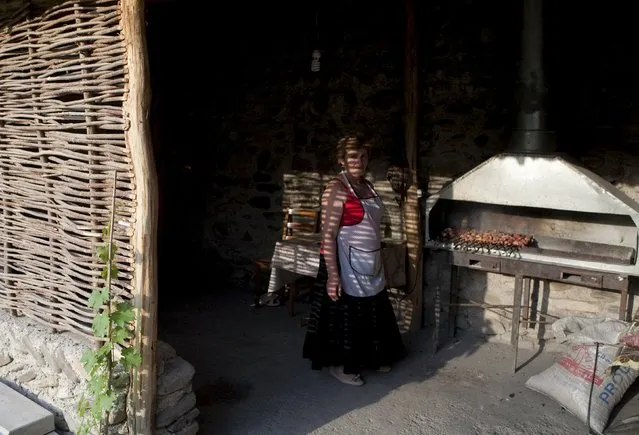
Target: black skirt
point(354, 332)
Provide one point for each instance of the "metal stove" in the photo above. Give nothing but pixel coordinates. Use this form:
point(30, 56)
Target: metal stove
point(538, 209)
point(532, 213)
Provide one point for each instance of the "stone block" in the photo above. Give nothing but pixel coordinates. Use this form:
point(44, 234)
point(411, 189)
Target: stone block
point(78, 368)
point(168, 416)
point(192, 429)
point(26, 342)
point(17, 345)
point(46, 382)
point(118, 413)
point(171, 399)
point(185, 421)
point(164, 352)
point(66, 367)
point(21, 416)
point(5, 359)
point(177, 374)
point(48, 356)
point(27, 376)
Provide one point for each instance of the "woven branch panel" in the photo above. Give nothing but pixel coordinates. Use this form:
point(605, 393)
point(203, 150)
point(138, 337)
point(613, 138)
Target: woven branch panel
point(62, 86)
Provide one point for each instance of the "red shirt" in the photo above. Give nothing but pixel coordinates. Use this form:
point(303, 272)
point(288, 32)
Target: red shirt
point(353, 212)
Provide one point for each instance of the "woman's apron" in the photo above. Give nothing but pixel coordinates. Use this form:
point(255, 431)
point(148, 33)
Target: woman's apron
point(359, 249)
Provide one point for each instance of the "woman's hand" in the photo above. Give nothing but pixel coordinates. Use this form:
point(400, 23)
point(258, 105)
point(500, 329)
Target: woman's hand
point(334, 288)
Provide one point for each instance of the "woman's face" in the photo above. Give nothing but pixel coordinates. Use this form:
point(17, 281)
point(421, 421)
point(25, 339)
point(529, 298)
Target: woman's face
point(356, 162)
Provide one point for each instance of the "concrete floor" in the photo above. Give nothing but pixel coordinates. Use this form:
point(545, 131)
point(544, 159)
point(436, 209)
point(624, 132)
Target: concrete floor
point(250, 379)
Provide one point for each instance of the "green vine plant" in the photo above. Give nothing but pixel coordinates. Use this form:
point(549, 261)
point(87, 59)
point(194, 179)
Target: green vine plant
point(113, 328)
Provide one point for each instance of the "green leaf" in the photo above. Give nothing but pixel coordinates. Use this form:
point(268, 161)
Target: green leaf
point(131, 358)
point(106, 401)
point(83, 405)
point(88, 360)
point(98, 298)
point(103, 254)
point(104, 350)
point(113, 323)
point(97, 384)
point(120, 334)
point(100, 325)
point(123, 314)
point(97, 410)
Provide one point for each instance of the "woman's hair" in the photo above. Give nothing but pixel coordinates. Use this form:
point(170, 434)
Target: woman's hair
point(353, 142)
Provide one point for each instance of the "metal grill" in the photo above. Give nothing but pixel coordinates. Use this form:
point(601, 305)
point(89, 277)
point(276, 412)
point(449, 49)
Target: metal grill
point(483, 242)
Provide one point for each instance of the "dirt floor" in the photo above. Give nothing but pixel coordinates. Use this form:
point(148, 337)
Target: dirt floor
point(250, 379)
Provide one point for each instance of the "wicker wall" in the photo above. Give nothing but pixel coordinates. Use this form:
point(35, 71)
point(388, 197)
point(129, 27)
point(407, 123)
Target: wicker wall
point(62, 87)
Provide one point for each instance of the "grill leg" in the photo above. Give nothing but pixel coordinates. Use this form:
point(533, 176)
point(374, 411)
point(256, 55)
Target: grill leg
point(514, 336)
point(526, 306)
point(623, 303)
point(454, 301)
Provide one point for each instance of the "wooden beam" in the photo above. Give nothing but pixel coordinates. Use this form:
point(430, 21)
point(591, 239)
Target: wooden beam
point(412, 219)
point(138, 138)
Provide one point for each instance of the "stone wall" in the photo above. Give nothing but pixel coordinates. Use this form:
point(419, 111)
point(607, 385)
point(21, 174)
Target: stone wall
point(176, 410)
point(272, 125)
point(46, 368)
point(288, 130)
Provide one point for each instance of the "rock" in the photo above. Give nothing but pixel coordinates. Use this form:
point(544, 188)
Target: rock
point(170, 415)
point(78, 368)
point(64, 394)
point(5, 359)
point(119, 429)
point(118, 413)
point(192, 429)
point(26, 342)
point(170, 400)
point(48, 356)
point(121, 379)
point(66, 367)
point(164, 352)
point(46, 382)
point(27, 376)
point(16, 343)
point(177, 374)
point(184, 421)
point(15, 368)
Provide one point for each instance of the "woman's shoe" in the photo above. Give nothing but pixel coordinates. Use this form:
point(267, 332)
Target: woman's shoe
point(349, 379)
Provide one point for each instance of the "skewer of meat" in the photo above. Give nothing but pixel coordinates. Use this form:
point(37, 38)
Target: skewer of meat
point(488, 238)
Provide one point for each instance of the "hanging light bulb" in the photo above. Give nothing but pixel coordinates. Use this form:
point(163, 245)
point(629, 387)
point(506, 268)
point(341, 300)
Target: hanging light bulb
point(315, 63)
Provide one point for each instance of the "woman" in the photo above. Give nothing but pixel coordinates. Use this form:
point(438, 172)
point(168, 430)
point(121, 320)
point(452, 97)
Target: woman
point(352, 324)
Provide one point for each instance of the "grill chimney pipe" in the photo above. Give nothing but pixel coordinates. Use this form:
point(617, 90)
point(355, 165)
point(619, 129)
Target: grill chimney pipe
point(530, 135)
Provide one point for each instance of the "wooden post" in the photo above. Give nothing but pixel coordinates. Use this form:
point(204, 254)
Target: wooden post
point(138, 138)
point(412, 220)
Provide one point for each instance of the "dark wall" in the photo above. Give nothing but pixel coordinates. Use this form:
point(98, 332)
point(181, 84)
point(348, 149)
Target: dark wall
point(593, 71)
point(236, 108)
